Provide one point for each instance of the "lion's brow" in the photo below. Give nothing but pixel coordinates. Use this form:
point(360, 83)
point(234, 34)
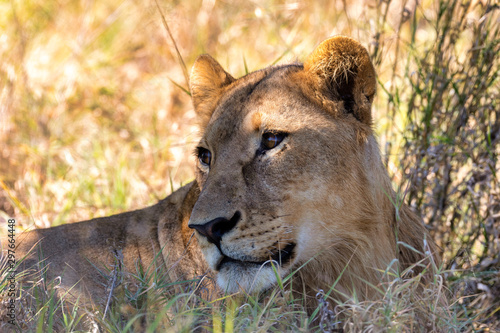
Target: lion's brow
point(267, 76)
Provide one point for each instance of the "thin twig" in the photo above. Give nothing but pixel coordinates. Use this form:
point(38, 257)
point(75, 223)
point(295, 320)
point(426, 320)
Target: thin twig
point(165, 24)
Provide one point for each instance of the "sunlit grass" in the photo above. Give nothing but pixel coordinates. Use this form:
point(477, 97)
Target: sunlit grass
point(95, 120)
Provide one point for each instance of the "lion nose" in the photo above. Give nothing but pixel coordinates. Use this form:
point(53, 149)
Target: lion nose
point(215, 229)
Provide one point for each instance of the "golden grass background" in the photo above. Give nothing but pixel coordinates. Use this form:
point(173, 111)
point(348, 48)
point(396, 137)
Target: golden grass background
point(91, 120)
point(95, 117)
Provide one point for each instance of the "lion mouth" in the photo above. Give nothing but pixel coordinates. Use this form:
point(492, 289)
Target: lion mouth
point(282, 257)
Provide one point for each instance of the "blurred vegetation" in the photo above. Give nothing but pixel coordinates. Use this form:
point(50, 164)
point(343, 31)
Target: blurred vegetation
point(95, 119)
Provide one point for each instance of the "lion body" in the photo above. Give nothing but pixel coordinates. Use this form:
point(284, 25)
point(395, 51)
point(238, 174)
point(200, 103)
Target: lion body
point(90, 258)
point(320, 198)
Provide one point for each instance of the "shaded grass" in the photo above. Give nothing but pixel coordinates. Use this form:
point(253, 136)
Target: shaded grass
point(147, 301)
point(95, 119)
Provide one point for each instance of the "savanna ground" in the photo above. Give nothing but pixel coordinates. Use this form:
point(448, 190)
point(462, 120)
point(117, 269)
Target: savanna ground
point(95, 119)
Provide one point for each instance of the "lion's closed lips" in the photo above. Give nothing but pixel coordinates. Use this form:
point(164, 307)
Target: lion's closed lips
point(281, 258)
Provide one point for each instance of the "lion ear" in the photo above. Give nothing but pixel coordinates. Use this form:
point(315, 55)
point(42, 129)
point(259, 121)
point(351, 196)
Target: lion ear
point(206, 82)
point(342, 71)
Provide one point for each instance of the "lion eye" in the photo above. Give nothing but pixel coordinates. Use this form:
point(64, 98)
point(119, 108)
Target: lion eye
point(270, 140)
point(204, 156)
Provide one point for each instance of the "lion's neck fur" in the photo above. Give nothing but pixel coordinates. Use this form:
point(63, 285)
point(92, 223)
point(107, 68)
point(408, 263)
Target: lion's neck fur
point(380, 250)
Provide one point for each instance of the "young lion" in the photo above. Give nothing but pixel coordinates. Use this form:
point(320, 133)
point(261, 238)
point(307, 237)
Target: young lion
point(288, 174)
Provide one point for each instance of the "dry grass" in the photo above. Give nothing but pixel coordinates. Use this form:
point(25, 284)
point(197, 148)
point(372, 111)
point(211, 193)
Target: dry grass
point(95, 119)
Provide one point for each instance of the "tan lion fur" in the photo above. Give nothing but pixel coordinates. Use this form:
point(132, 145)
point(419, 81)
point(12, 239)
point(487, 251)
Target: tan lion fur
point(324, 190)
point(86, 256)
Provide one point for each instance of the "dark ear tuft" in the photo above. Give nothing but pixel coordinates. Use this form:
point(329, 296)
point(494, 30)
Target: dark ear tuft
point(206, 82)
point(343, 71)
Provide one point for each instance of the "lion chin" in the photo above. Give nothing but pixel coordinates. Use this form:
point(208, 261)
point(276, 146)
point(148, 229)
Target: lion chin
point(248, 277)
point(250, 274)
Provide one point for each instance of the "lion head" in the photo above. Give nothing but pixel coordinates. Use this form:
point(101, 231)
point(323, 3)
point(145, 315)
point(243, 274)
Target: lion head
point(290, 174)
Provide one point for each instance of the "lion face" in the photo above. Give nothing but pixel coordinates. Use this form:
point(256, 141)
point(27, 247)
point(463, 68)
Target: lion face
point(289, 170)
